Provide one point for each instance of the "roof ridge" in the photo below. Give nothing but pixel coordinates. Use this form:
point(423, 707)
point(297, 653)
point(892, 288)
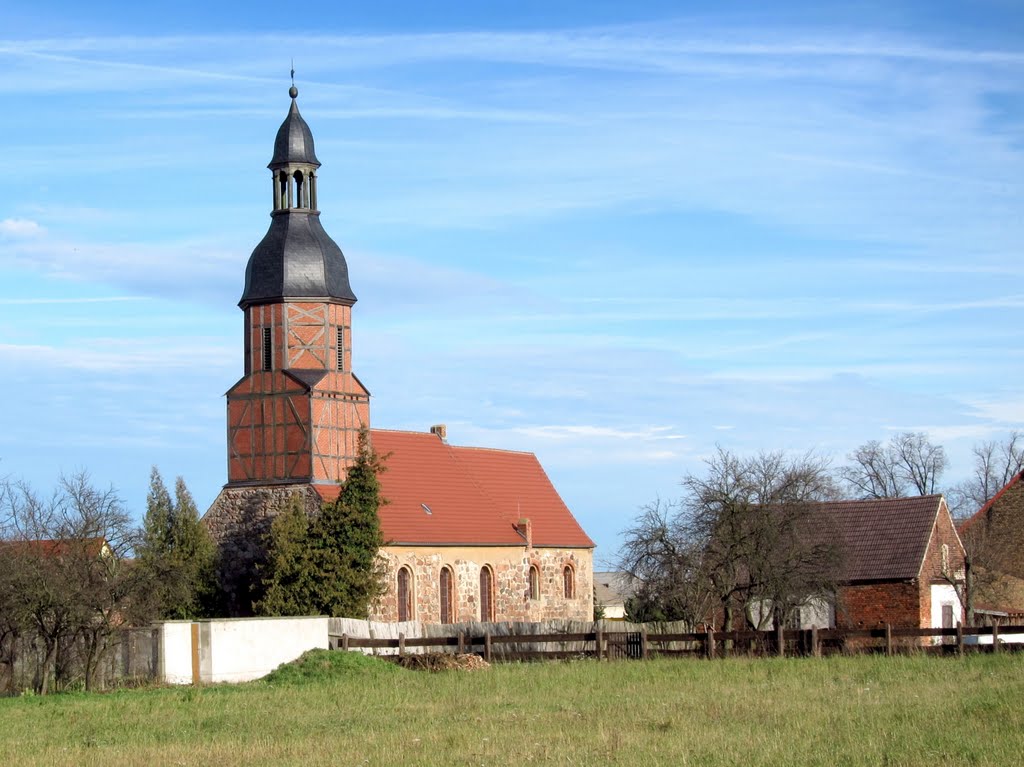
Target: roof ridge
point(427, 434)
point(493, 450)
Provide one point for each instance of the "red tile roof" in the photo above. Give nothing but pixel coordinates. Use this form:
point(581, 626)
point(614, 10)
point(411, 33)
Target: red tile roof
point(883, 538)
point(474, 495)
point(92, 547)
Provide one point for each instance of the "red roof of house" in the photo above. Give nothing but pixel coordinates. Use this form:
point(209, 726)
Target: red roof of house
point(882, 538)
point(442, 494)
point(92, 547)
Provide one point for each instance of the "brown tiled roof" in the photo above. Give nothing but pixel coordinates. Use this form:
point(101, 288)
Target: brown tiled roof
point(883, 538)
point(441, 494)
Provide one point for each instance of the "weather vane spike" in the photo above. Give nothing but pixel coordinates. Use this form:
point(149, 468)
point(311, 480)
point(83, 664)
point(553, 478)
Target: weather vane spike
point(293, 71)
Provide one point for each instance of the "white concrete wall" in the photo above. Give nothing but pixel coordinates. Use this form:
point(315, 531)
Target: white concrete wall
point(237, 650)
point(176, 652)
point(945, 594)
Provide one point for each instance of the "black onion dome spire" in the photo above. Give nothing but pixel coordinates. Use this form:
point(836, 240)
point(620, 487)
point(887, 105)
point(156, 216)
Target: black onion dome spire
point(296, 259)
point(294, 142)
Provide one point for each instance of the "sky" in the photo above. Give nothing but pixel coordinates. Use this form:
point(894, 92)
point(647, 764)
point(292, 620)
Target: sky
point(614, 236)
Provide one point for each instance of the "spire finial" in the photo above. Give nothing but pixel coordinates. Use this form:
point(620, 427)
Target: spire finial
point(293, 91)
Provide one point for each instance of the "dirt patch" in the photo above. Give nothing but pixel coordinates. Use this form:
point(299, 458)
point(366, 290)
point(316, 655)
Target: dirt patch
point(442, 661)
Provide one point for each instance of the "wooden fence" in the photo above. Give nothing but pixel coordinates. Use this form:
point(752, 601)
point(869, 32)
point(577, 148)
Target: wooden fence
point(644, 644)
point(129, 656)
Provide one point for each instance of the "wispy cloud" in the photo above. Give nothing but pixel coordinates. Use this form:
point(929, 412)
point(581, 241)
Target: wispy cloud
point(79, 300)
point(120, 355)
point(20, 228)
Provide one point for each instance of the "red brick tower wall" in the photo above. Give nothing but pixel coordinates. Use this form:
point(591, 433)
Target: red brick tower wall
point(302, 426)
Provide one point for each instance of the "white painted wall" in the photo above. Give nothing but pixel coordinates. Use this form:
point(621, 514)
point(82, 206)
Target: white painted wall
point(237, 650)
point(176, 652)
point(987, 639)
point(945, 594)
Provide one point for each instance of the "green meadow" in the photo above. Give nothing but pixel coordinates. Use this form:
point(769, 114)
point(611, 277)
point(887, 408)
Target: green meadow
point(342, 709)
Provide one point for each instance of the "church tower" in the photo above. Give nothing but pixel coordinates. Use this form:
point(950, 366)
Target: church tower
point(296, 414)
point(293, 420)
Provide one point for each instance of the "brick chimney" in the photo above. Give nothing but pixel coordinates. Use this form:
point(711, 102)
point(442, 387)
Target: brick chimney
point(440, 431)
point(525, 529)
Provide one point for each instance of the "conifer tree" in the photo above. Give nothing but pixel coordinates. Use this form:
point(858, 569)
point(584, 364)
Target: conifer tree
point(176, 554)
point(287, 576)
point(328, 565)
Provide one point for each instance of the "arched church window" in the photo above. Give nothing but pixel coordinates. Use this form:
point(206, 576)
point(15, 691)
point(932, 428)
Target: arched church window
point(534, 582)
point(569, 582)
point(486, 594)
point(404, 594)
point(446, 594)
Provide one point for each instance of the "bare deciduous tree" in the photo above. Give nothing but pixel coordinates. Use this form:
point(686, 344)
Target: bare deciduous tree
point(908, 465)
point(63, 574)
point(744, 531)
point(995, 464)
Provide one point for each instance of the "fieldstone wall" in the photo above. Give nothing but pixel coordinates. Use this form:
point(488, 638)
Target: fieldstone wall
point(238, 520)
point(510, 566)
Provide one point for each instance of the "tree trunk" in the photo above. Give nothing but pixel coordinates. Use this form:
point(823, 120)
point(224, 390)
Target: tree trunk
point(49, 659)
point(969, 591)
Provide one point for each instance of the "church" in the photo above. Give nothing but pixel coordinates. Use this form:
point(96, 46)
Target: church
point(470, 533)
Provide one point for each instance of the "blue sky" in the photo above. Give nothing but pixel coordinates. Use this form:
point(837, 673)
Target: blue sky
point(613, 236)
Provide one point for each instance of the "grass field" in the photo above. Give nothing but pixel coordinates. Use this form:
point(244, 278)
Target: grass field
point(342, 709)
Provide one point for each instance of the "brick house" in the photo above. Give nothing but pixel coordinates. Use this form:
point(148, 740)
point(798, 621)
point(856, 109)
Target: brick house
point(470, 533)
point(995, 537)
point(895, 551)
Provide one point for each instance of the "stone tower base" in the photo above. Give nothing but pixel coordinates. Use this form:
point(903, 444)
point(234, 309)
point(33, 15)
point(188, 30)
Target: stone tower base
point(238, 521)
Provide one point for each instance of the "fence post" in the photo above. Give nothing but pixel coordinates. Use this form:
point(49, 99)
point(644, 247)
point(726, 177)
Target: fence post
point(487, 645)
point(126, 656)
point(401, 644)
point(599, 642)
point(709, 643)
point(780, 640)
point(888, 639)
point(462, 643)
point(157, 672)
point(643, 643)
point(995, 637)
point(815, 642)
point(959, 639)
point(196, 677)
point(344, 642)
